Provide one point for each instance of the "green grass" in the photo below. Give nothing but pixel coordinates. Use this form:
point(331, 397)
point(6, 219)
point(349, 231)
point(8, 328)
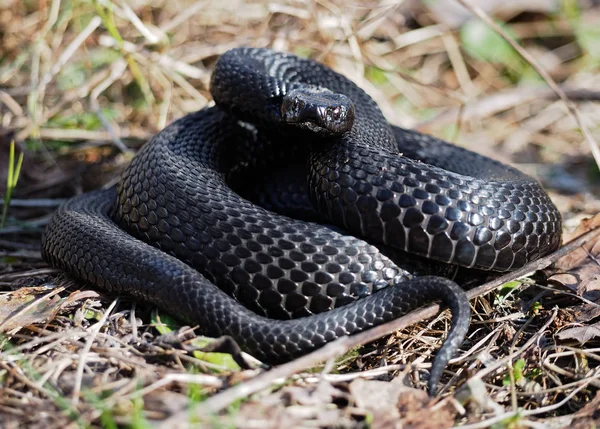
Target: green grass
point(12, 179)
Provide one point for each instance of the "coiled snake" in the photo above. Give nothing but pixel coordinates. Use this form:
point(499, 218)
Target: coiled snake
point(173, 229)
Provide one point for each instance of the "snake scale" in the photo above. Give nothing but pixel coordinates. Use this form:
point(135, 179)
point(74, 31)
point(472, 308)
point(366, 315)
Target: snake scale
point(299, 138)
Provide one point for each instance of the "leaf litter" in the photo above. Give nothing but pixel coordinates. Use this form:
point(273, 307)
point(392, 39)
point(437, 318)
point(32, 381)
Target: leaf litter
point(580, 272)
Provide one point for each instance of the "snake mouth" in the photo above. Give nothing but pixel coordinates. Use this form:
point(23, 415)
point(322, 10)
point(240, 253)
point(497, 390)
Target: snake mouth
point(318, 110)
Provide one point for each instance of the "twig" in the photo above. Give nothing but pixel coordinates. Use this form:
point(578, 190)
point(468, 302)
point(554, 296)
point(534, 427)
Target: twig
point(7, 244)
point(375, 372)
point(204, 380)
point(37, 202)
point(28, 274)
point(86, 349)
point(137, 23)
point(24, 254)
point(183, 16)
point(13, 106)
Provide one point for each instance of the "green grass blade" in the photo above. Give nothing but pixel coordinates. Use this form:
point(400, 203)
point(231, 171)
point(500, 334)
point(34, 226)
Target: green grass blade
point(11, 180)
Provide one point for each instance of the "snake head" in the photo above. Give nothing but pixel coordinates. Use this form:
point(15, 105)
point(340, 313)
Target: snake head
point(318, 110)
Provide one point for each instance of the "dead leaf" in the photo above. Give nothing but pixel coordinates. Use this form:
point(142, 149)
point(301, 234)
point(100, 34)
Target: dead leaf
point(579, 271)
point(323, 393)
point(586, 225)
point(586, 312)
point(299, 407)
point(580, 333)
point(395, 405)
point(25, 306)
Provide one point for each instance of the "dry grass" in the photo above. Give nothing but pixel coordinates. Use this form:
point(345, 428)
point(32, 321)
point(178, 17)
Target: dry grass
point(84, 83)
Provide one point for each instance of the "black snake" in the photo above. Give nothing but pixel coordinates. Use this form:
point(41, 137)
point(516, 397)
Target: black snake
point(174, 227)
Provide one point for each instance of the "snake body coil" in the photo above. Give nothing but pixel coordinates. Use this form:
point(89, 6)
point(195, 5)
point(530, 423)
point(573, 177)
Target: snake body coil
point(174, 230)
